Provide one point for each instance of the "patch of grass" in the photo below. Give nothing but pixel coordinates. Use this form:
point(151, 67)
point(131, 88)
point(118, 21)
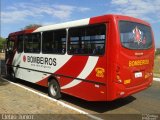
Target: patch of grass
point(156, 75)
point(157, 66)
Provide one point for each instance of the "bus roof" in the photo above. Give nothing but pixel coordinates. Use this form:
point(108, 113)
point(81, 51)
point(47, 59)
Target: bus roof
point(64, 25)
point(81, 22)
point(22, 32)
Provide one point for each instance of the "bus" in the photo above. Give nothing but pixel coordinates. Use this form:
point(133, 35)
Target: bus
point(101, 58)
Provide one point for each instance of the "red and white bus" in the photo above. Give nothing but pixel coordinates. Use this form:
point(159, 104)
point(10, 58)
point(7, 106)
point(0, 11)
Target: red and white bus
point(101, 58)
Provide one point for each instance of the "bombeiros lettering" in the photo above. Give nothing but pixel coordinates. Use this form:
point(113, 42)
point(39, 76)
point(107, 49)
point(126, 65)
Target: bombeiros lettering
point(138, 62)
point(42, 60)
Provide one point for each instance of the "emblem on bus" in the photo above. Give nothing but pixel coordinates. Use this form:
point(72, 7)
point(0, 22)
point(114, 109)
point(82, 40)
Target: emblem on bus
point(138, 36)
point(24, 58)
point(100, 72)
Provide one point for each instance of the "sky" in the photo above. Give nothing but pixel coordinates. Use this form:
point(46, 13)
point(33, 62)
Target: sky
point(16, 14)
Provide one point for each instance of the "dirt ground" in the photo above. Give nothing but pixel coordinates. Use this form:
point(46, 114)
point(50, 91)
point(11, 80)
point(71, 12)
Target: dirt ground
point(18, 101)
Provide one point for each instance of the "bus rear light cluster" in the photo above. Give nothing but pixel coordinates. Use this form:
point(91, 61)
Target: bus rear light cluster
point(118, 76)
point(148, 74)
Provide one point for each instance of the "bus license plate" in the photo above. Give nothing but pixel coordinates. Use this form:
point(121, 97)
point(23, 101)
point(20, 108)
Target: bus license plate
point(138, 74)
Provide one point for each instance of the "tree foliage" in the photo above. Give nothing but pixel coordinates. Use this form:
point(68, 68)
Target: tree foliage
point(2, 42)
point(157, 52)
point(31, 26)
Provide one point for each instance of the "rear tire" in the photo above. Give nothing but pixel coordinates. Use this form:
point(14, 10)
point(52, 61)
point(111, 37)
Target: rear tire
point(54, 89)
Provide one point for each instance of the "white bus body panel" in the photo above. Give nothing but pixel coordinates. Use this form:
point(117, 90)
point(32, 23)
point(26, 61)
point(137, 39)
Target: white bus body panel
point(35, 76)
point(65, 25)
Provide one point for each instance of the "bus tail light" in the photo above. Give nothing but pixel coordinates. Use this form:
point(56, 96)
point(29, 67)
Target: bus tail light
point(119, 79)
point(118, 75)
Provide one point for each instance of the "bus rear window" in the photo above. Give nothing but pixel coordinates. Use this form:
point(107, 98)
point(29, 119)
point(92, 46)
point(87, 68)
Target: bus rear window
point(134, 35)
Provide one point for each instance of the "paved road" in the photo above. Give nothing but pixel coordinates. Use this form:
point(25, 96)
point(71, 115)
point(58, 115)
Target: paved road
point(144, 102)
point(139, 105)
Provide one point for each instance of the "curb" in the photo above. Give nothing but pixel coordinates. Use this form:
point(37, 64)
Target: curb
point(156, 79)
point(57, 101)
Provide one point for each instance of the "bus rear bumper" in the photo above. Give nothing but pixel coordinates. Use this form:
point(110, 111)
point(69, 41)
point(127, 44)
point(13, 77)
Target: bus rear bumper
point(123, 92)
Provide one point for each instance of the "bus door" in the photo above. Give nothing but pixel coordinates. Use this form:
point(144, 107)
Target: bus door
point(10, 52)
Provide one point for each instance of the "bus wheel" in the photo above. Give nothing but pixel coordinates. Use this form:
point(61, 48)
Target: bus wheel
point(12, 76)
point(54, 89)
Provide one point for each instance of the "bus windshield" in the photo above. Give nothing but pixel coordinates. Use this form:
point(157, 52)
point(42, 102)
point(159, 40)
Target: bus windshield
point(135, 35)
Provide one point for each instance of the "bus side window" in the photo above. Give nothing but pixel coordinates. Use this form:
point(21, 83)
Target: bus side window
point(36, 42)
point(54, 42)
point(88, 40)
point(32, 43)
point(27, 41)
point(20, 44)
point(10, 45)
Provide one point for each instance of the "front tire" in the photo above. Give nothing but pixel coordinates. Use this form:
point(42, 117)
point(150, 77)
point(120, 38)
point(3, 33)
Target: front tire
point(11, 76)
point(54, 89)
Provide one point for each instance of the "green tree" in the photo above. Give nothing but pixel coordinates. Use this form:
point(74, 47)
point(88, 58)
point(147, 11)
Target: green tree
point(31, 26)
point(157, 52)
point(2, 42)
